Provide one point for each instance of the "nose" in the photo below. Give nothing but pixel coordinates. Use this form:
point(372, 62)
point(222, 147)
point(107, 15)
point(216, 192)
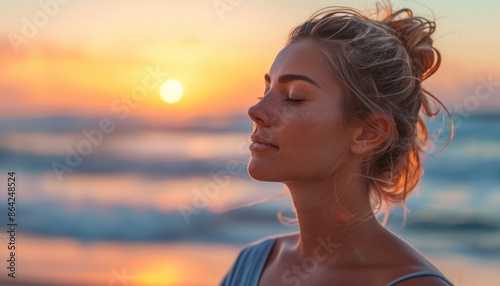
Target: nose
point(258, 114)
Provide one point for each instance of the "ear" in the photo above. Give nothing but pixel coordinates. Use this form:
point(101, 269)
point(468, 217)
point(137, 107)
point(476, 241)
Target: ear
point(370, 133)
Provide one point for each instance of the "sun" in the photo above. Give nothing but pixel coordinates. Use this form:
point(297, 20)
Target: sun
point(171, 91)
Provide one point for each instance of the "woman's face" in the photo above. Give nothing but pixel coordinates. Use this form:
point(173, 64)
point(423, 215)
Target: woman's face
point(300, 114)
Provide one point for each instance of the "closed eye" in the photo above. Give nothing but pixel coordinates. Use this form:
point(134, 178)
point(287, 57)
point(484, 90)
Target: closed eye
point(293, 100)
point(288, 99)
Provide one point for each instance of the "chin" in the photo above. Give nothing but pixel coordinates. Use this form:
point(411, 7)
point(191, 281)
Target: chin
point(262, 172)
point(258, 173)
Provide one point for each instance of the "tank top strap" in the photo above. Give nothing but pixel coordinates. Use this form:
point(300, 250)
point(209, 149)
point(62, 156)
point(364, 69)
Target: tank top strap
point(419, 274)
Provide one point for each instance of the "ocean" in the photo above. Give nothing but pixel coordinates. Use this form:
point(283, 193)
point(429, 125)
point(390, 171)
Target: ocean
point(182, 191)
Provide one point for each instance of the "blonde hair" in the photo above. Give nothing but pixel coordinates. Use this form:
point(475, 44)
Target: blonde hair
point(381, 60)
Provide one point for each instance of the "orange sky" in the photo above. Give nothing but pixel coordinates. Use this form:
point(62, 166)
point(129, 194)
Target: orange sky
point(88, 57)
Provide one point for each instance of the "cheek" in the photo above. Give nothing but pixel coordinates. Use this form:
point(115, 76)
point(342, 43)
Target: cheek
point(312, 145)
point(315, 143)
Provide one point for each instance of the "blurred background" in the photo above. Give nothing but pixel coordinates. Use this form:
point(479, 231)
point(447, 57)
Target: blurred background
point(125, 123)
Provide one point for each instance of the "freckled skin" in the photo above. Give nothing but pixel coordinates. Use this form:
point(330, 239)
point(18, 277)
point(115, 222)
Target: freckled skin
point(310, 134)
point(316, 158)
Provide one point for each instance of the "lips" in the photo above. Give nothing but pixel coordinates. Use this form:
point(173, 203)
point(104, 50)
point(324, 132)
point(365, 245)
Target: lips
point(257, 139)
point(260, 144)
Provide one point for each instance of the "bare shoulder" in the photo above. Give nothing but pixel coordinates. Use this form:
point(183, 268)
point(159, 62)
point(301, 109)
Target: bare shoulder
point(401, 252)
point(383, 259)
point(402, 259)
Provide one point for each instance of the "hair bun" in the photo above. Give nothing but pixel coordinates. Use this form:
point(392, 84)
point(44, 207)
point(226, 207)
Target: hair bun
point(415, 34)
point(380, 59)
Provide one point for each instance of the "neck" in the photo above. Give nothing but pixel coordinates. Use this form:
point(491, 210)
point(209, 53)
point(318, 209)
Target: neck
point(334, 213)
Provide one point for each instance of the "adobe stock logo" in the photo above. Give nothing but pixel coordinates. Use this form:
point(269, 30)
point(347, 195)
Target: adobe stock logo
point(224, 6)
point(122, 278)
point(121, 106)
point(486, 88)
point(301, 272)
point(202, 197)
point(30, 26)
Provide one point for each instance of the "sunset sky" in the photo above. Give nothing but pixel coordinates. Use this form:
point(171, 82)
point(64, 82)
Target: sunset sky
point(67, 64)
point(86, 58)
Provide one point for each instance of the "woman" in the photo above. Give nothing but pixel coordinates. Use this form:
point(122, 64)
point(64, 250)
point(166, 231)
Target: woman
point(341, 124)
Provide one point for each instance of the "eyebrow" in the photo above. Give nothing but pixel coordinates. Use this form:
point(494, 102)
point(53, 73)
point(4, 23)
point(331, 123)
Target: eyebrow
point(291, 77)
